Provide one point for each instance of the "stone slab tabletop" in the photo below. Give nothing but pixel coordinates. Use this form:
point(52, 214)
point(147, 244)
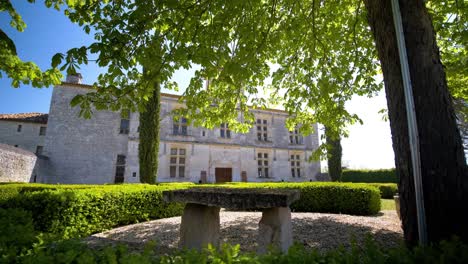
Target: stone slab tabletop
point(234, 198)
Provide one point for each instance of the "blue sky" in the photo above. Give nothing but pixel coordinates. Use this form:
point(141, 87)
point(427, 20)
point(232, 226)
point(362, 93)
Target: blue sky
point(49, 31)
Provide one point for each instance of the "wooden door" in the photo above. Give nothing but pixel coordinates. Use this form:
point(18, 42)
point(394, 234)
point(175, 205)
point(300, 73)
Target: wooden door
point(223, 175)
point(244, 176)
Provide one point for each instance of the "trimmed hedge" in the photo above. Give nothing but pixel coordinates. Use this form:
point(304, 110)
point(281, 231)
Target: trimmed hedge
point(370, 176)
point(327, 197)
point(80, 210)
point(75, 212)
point(387, 190)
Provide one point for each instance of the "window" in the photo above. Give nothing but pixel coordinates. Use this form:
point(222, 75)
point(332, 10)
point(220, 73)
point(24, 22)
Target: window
point(120, 169)
point(180, 126)
point(177, 163)
point(39, 150)
point(225, 132)
point(125, 123)
point(295, 166)
point(295, 137)
point(134, 174)
point(203, 133)
point(262, 130)
point(42, 131)
point(16, 146)
point(262, 161)
point(19, 128)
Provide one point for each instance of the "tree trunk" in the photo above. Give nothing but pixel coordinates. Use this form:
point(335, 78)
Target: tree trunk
point(334, 153)
point(148, 148)
point(443, 165)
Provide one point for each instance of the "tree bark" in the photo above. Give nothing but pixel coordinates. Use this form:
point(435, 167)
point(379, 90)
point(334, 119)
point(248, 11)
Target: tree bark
point(334, 153)
point(443, 165)
point(148, 148)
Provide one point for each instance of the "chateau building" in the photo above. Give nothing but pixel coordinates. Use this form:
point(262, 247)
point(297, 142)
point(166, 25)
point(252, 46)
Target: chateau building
point(104, 149)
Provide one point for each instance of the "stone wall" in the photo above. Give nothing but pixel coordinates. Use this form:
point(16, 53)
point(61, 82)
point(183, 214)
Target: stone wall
point(85, 151)
point(81, 150)
point(16, 165)
point(28, 138)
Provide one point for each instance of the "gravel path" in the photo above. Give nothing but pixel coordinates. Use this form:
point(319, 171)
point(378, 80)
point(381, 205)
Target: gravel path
point(313, 230)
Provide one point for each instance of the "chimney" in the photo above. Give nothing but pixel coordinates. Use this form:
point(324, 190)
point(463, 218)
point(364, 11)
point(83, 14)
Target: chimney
point(74, 78)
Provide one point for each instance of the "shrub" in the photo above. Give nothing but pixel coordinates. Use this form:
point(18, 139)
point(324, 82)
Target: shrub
point(81, 212)
point(16, 233)
point(370, 176)
point(327, 197)
point(76, 211)
point(387, 190)
point(73, 252)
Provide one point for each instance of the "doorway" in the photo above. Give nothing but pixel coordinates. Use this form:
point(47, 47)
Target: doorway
point(223, 175)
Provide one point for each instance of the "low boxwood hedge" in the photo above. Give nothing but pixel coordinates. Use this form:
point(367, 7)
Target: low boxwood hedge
point(387, 190)
point(80, 210)
point(75, 212)
point(370, 176)
point(328, 197)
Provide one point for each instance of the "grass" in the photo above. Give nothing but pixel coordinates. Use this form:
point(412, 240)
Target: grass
point(387, 204)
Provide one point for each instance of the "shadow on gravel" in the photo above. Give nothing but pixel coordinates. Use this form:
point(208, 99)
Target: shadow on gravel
point(323, 233)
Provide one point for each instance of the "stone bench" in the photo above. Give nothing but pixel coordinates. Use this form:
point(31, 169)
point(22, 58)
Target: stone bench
point(200, 221)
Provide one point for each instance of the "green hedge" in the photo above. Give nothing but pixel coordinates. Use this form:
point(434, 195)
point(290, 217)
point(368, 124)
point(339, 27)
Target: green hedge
point(453, 251)
point(75, 212)
point(387, 190)
point(328, 197)
point(370, 176)
point(80, 210)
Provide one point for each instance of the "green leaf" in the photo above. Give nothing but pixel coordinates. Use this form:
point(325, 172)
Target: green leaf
point(57, 59)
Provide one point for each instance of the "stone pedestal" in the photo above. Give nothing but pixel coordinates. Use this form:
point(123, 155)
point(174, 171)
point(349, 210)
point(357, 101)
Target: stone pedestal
point(199, 227)
point(275, 229)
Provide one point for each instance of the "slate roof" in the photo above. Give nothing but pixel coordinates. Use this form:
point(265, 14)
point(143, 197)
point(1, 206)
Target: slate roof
point(26, 117)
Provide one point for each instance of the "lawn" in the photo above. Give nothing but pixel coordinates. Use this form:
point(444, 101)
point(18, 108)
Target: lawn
point(387, 204)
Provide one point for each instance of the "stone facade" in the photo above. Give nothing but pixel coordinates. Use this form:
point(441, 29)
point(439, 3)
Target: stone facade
point(104, 149)
point(24, 133)
point(17, 165)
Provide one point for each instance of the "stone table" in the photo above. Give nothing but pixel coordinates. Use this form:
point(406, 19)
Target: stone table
point(200, 220)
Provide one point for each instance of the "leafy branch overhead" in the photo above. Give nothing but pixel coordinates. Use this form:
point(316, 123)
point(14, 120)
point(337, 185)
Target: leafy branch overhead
point(19, 71)
point(318, 54)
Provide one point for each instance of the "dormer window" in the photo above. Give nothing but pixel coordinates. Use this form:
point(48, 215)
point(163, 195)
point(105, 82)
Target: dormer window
point(295, 137)
point(180, 126)
point(125, 123)
point(225, 132)
point(262, 130)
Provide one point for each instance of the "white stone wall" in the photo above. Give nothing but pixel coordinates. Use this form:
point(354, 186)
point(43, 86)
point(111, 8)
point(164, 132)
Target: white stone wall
point(85, 151)
point(27, 139)
point(81, 150)
point(16, 165)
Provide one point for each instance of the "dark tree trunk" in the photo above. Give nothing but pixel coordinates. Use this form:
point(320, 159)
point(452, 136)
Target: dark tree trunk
point(334, 153)
point(444, 170)
point(148, 148)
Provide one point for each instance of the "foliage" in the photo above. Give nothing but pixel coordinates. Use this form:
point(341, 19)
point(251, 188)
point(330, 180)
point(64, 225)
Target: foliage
point(327, 197)
point(384, 176)
point(19, 71)
point(148, 150)
point(334, 154)
point(16, 233)
point(81, 212)
point(73, 211)
point(387, 190)
point(452, 251)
